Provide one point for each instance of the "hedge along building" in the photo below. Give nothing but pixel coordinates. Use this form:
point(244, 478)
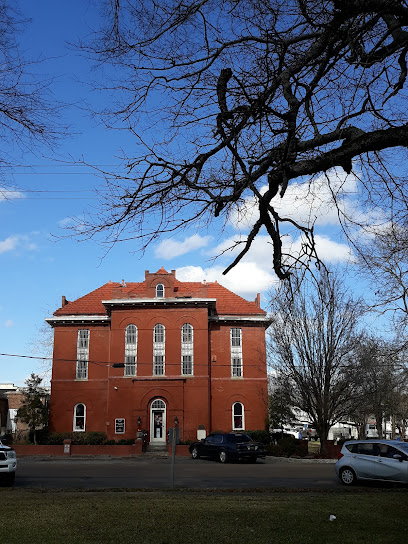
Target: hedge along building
point(156, 354)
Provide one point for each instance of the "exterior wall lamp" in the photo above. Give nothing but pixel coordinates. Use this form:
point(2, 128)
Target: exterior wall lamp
point(176, 421)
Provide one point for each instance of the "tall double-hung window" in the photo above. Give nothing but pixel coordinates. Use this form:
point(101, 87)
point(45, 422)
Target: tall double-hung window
point(236, 353)
point(187, 349)
point(159, 345)
point(82, 354)
point(130, 350)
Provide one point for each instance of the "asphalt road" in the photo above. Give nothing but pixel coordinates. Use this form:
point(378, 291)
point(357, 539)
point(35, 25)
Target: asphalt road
point(139, 473)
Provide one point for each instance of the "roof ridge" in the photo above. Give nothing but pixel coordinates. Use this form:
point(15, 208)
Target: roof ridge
point(228, 302)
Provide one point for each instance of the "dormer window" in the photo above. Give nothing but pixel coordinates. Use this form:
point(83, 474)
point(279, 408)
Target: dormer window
point(160, 290)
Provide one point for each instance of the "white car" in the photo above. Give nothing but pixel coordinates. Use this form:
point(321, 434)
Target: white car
point(374, 459)
point(8, 465)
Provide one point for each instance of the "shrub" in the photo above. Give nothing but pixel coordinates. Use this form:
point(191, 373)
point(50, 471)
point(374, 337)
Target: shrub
point(53, 439)
point(94, 438)
point(300, 452)
point(125, 442)
point(77, 438)
point(274, 450)
point(288, 445)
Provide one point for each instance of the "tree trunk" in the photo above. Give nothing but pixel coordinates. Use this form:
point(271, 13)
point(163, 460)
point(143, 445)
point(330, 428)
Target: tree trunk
point(378, 424)
point(323, 432)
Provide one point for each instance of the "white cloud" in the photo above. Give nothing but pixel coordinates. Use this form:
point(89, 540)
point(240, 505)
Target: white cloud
point(168, 249)
point(328, 250)
point(261, 249)
point(255, 271)
point(10, 194)
point(17, 241)
point(9, 244)
point(9, 323)
point(246, 279)
point(66, 222)
point(306, 202)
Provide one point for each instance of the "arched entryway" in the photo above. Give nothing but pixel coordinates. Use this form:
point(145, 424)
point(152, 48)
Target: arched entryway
point(158, 421)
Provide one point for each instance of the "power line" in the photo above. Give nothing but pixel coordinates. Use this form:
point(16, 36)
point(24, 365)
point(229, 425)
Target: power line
point(58, 165)
point(110, 363)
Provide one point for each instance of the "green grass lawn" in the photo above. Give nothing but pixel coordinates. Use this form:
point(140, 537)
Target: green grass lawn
point(372, 517)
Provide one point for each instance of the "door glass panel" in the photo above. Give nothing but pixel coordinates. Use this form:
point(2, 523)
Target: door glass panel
point(158, 424)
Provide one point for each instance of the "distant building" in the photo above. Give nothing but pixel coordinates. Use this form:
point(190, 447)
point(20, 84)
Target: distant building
point(158, 354)
point(7, 408)
point(11, 398)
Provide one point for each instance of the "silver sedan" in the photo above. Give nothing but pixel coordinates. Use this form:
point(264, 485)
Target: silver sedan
point(385, 460)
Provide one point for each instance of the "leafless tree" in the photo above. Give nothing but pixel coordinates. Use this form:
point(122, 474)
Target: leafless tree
point(383, 258)
point(313, 336)
point(401, 413)
point(380, 378)
point(28, 114)
point(232, 102)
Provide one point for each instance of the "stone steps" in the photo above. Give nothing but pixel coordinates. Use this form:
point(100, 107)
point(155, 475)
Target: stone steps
point(156, 451)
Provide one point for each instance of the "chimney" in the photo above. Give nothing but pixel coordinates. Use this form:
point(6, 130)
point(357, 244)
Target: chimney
point(64, 301)
point(258, 300)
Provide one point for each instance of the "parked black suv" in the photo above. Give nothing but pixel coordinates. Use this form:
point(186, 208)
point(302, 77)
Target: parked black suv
point(228, 447)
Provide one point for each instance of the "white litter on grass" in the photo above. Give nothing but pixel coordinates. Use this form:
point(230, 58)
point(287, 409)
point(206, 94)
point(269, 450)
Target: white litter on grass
point(332, 518)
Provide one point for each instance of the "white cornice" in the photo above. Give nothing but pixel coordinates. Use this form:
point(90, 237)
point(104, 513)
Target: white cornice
point(159, 301)
point(77, 319)
point(248, 318)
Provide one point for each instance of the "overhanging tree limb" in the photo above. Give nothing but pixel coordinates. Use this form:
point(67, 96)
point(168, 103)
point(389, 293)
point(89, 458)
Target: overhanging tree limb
point(252, 96)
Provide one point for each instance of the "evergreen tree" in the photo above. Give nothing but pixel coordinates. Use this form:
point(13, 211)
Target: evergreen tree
point(34, 410)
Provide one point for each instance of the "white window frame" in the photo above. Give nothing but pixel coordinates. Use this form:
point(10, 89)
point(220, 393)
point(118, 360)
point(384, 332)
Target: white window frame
point(81, 372)
point(236, 337)
point(160, 287)
point(75, 428)
point(237, 369)
point(131, 336)
point(242, 416)
point(187, 350)
point(159, 349)
point(124, 425)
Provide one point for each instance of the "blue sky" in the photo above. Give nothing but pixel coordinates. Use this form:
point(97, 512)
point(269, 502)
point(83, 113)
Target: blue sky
point(37, 267)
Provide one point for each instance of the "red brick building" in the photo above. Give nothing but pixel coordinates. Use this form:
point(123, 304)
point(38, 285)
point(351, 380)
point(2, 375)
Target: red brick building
point(156, 354)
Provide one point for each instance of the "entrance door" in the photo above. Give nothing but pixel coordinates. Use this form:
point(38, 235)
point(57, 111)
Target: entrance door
point(158, 421)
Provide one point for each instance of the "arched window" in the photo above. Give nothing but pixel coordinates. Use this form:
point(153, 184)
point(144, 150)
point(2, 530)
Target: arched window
point(158, 404)
point(130, 350)
point(187, 349)
point(159, 347)
point(79, 417)
point(238, 419)
point(158, 334)
point(160, 290)
point(187, 334)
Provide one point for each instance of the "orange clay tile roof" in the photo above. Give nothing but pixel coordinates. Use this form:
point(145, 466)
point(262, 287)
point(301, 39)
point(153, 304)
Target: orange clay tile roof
point(228, 303)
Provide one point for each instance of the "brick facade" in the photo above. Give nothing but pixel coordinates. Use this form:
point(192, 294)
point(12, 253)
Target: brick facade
point(206, 395)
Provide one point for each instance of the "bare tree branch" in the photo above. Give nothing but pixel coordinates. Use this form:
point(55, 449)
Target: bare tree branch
point(239, 98)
